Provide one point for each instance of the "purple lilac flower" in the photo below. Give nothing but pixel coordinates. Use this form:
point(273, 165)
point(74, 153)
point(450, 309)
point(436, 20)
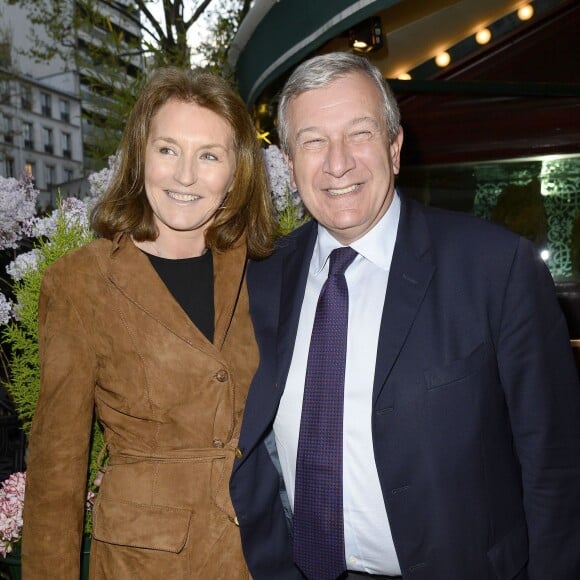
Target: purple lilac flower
point(17, 205)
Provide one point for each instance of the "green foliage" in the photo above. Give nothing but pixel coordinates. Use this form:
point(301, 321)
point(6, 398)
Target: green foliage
point(21, 336)
point(225, 20)
point(290, 217)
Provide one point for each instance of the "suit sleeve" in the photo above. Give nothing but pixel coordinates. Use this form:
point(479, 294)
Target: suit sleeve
point(60, 436)
point(543, 394)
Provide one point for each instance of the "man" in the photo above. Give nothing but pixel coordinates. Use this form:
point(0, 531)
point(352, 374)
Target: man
point(459, 456)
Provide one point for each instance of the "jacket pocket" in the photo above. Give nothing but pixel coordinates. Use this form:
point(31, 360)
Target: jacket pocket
point(140, 526)
point(510, 554)
point(456, 370)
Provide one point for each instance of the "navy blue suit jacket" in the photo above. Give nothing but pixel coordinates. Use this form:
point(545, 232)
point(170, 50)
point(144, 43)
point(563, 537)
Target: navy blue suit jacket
point(476, 406)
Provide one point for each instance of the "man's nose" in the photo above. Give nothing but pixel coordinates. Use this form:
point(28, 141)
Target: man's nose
point(339, 159)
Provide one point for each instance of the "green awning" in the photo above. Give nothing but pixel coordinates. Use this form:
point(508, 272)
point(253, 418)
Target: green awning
point(289, 31)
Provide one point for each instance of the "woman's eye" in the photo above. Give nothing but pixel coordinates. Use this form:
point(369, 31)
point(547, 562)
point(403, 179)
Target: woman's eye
point(209, 156)
point(166, 151)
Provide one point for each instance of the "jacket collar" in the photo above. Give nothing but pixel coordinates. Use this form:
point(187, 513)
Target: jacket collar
point(130, 271)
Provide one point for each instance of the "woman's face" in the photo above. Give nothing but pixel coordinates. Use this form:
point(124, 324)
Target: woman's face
point(189, 167)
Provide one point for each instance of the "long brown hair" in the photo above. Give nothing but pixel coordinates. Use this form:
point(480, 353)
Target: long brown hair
point(246, 212)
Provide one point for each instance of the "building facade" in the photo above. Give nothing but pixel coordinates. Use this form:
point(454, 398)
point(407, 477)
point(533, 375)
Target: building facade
point(40, 134)
point(51, 110)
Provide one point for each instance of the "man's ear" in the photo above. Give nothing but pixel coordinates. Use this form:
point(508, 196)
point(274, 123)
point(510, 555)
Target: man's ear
point(395, 150)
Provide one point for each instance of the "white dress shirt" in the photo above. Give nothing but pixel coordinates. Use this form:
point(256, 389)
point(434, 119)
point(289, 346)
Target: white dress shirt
point(368, 541)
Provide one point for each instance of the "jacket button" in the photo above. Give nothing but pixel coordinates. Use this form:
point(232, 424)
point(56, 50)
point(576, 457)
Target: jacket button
point(238, 453)
point(236, 521)
point(218, 443)
point(222, 376)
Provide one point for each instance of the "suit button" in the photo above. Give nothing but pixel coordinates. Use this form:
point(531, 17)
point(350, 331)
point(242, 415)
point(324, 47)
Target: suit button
point(218, 443)
point(238, 453)
point(236, 521)
point(222, 376)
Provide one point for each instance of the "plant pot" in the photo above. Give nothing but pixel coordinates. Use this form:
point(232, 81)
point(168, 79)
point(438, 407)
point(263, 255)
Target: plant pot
point(12, 564)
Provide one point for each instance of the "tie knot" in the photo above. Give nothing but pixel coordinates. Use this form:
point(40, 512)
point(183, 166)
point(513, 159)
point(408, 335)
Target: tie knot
point(340, 260)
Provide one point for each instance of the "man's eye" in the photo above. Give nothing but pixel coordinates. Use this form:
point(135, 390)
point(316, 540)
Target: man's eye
point(313, 143)
point(360, 136)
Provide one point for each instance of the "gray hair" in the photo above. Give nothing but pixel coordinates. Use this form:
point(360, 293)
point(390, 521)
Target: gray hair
point(321, 71)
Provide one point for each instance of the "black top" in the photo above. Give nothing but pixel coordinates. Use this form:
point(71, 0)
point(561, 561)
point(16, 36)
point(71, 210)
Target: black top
point(190, 280)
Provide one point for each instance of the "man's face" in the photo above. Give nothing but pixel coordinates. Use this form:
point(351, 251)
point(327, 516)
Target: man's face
point(341, 159)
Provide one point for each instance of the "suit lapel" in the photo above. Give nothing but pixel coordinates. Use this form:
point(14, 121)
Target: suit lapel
point(294, 276)
point(411, 272)
point(276, 290)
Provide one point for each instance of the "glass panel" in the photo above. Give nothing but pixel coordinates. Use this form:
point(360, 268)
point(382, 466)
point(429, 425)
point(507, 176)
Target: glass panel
point(539, 199)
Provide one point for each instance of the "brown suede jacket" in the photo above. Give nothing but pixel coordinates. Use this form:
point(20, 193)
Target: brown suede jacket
point(114, 341)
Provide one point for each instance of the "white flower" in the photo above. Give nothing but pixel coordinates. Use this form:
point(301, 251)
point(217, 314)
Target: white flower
point(17, 205)
point(75, 210)
point(100, 180)
point(278, 171)
point(22, 264)
point(6, 312)
point(278, 175)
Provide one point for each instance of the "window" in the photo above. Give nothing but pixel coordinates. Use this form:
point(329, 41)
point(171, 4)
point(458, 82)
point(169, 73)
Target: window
point(47, 140)
point(46, 104)
point(26, 97)
point(9, 167)
point(66, 145)
point(7, 129)
point(5, 54)
point(29, 168)
point(50, 176)
point(5, 97)
point(27, 135)
point(68, 175)
point(65, 110)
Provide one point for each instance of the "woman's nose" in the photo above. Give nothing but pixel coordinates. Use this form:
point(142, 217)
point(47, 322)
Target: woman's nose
point(185, 171)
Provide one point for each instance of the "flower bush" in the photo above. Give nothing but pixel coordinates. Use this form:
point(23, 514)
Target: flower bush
point(11, 508)
point(11, 504)
point(290, 212)
point(51, 237)
point(17, 205)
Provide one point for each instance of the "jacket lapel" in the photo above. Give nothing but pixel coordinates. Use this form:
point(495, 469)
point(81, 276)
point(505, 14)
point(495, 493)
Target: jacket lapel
point(294, 276)
point(130, 271)
point(228, 275)
point(278, 286)
point(411, 271)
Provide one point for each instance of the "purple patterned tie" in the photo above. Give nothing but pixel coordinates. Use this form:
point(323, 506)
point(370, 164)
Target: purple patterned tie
point(318, 515)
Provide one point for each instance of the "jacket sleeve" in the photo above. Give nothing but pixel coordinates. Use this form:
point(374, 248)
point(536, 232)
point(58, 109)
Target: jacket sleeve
point(543, 393)
point(60, 436)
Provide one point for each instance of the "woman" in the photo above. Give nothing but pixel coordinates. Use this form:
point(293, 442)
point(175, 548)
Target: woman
point(149, 326)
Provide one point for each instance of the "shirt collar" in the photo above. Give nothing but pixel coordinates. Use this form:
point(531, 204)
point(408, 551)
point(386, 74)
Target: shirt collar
point(377, 245)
